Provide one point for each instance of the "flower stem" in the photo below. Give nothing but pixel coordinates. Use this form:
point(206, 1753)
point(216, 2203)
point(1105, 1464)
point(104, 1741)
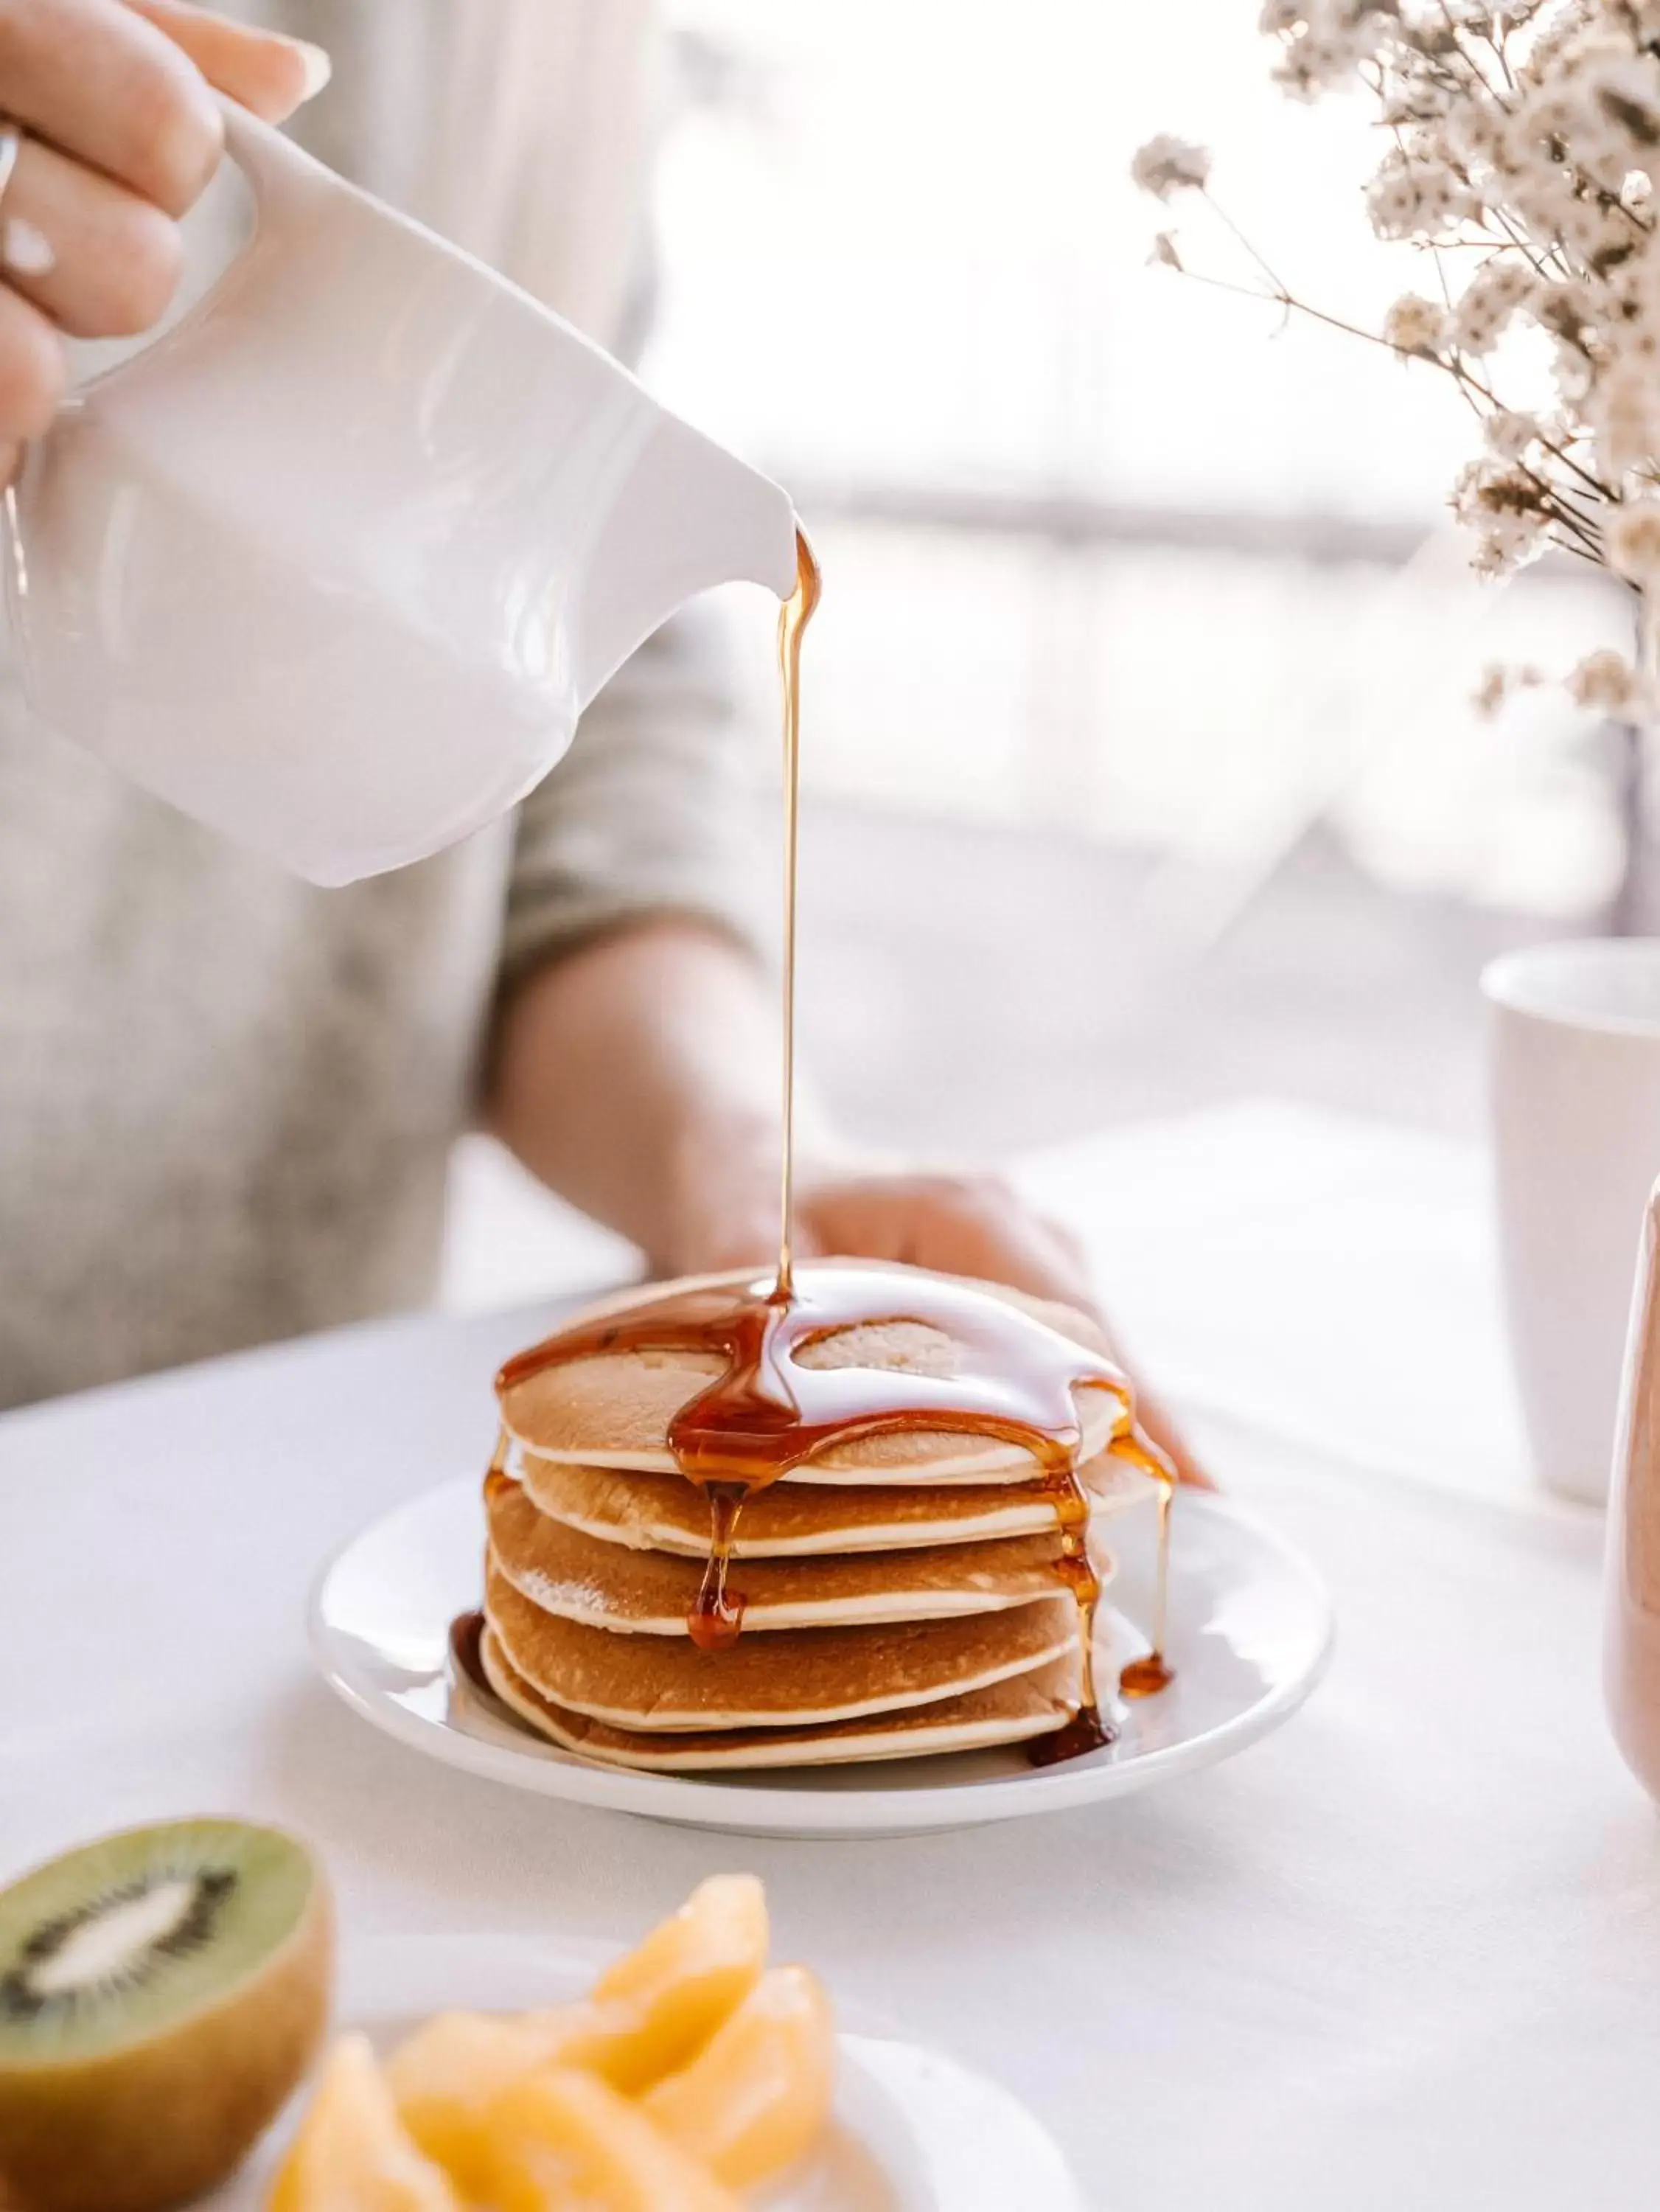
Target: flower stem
point(1454, 368)
point(1229, 225)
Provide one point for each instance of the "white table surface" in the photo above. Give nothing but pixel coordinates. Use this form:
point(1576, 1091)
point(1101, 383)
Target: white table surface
point(1404, 1954)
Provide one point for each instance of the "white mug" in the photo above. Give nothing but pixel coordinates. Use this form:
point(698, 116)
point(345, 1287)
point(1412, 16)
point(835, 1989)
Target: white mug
point(1631, 1619)
point(335, 563)
point(1574, 1060)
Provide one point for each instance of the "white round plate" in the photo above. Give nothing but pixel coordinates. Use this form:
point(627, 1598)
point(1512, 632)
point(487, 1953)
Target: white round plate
point(1250, 1635)
point(910, 2131)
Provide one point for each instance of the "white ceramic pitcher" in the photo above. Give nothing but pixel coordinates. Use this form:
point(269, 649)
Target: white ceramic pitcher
point(336, 564)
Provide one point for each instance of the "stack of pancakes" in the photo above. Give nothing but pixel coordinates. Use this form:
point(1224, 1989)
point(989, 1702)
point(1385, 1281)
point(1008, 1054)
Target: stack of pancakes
point(902, 1594)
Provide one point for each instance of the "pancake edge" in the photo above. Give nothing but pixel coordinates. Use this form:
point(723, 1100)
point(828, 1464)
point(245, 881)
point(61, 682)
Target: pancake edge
point(793, 1748)
point(708, 1722)
point(875, 1611)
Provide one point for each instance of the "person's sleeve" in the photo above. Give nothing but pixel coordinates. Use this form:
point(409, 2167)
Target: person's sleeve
point(654, 811)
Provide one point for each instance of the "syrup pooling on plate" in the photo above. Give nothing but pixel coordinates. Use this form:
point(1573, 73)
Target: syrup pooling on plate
point(466, 1635)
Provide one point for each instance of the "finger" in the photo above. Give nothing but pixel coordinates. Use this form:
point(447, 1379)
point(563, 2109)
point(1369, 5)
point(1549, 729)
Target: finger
point(958, 1225)
point(1062, 1254)
point(1069, 1241)
point(746, 1238)
point(102, 262)
point(1155, 1419)
point(974, 1225)
point(104, 85)
point(32, 369)
point(10, 457)
point(996, 1236)
point(259, 69)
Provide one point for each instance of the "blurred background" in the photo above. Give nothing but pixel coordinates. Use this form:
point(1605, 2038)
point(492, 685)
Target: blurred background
point(1140, 763)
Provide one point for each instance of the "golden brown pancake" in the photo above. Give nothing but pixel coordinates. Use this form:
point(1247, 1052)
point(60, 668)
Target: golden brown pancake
point(581, 1578)
point(783, 1679)
point(666, 1513)
point(1011, 1711)
point(615, 1409)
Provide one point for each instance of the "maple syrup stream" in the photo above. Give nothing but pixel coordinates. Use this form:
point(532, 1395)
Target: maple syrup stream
point(794, 615)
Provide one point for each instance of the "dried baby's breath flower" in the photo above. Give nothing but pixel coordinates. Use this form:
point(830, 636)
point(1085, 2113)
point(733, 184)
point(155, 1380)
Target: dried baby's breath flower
point(1474, 119)
point(1405, 102)
point(1508, 510)
point(1487, 487)
point(1494, 295)
point(1597, 109)
point(1416, 326)
point(1328, 51)
point(1623, 406)
point(1569, 312)
point(1413, 197)
point(1510, 434)
point(1504, 547)
point(1490, 693)
point(1632, 537)
point(1606, 681)
point(1167, 165)
point(1499, 680)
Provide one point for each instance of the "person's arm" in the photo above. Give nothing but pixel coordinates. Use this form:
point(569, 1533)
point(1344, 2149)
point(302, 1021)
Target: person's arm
point(119, 133)
point(639, 1076)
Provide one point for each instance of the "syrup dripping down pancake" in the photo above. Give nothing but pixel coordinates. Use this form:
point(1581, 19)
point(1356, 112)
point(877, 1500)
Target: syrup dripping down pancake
point(1015, 1711)
point(665, 1513)
point(580, 1577)
point(617, 1408)
point(785, 1678)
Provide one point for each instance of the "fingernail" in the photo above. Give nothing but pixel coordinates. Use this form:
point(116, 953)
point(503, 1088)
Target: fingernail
point(24, 249)
point(320, 68)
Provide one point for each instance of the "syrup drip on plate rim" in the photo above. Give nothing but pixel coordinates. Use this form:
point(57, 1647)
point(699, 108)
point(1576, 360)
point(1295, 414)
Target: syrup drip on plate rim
point(771, 1406)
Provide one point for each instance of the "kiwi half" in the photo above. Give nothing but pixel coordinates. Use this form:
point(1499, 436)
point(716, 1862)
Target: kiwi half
point(161, 1992)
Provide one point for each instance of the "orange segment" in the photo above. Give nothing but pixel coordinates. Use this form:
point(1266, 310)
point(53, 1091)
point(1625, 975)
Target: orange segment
point(353, 2154)
point(563, 2140)
point(754, 2099)
point(445, 2075)
point(652, 2011)
point(648, 2015)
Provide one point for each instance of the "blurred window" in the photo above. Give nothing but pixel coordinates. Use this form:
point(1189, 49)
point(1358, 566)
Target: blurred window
point(1106, 549)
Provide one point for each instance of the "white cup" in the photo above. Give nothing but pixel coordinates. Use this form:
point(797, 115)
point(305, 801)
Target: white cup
point(1574, 1058)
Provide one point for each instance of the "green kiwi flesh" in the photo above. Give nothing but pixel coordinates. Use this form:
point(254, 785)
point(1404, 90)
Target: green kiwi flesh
point(161, 1991)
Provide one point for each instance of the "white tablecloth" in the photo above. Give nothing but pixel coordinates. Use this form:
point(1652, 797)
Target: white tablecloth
point(1404, 1954)
point(1326, 1279)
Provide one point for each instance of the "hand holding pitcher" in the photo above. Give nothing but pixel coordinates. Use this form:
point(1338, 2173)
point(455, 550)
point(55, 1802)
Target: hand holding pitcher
point(113, 132)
